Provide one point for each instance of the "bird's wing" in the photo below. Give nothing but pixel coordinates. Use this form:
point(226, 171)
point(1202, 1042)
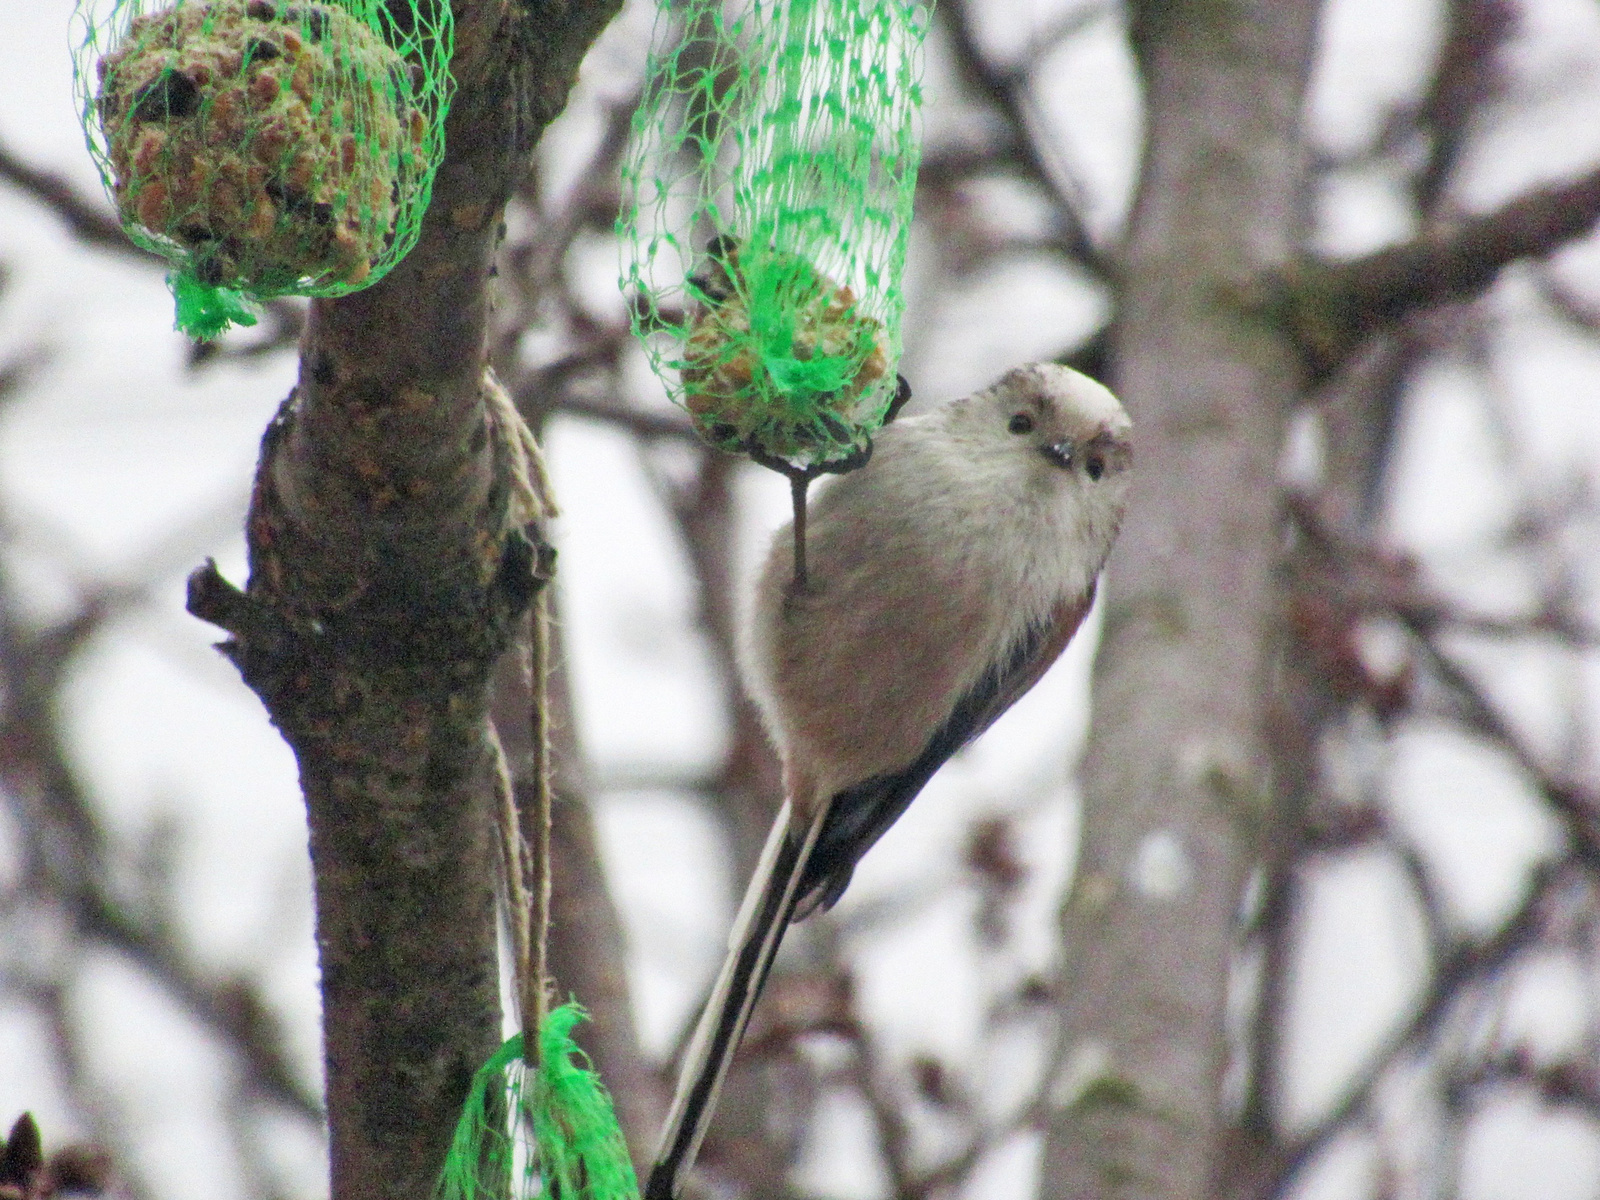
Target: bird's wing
point(859, 815)
point(804, 867)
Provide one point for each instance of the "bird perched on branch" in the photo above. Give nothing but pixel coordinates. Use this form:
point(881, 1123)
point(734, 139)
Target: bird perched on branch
point(946, 576)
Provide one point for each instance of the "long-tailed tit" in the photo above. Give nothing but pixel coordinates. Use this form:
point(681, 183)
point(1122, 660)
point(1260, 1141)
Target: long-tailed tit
point(945, 577)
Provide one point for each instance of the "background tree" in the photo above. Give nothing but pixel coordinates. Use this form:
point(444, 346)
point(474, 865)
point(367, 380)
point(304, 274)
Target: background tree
point(1331, 928)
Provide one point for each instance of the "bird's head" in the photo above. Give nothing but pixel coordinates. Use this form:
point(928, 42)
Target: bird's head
point(1068, 426)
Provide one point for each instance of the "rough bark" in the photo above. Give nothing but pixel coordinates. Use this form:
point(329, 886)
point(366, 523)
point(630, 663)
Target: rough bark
point(1177, 780)
point(386, 577)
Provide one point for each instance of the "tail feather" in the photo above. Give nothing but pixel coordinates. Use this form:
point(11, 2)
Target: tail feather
point(758, 930)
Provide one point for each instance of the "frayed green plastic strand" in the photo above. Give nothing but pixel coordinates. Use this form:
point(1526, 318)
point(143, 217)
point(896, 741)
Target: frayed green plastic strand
point(204, 312)
point(580, 1144)
point(576, 1150)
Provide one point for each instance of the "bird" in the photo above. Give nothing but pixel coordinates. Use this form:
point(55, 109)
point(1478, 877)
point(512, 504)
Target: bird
point(945, 577)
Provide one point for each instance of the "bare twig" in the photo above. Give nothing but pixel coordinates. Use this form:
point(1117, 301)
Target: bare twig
point(1007, 92)
point(1466, 966)
point(90, 221)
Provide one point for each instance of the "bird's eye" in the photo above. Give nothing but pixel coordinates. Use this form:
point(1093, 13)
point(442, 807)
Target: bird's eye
point(1020, 423)
point(1096, 466)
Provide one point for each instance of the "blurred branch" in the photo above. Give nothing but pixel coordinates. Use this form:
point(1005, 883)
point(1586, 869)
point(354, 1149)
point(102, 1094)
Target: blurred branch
point(1564, 1084)
point(72, 867)
point(1361, 416)
point(233, 1008)
point(1580, 311)
point(255, 1166)
point(109, 1141)
point(1466, 966)
point(1466, 77)
point(648, 425)
point(67, 848)
point(1577, 806)
point(944, 167)
point(1430, 900)
point(1346, 580)
point(1357, 573)
point(1006, 91)
point(869, 1075)
point(1367, 581)
point(89, 220)
point(95, 225)
point(1435, 615)
point(1063, 27)
point(1331, 308)
point(590, 203)
point(1452, 260)
point(556, 387)
point(17, 370)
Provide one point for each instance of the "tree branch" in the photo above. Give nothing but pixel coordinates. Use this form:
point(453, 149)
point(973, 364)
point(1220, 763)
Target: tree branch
point(1331, 308)
point(88, 220)
point(1465, 966)
point(389, 566)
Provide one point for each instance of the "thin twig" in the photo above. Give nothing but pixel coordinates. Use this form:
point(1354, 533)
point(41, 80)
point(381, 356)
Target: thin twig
point(534, 990)
point(91, 222)
point(797, 496)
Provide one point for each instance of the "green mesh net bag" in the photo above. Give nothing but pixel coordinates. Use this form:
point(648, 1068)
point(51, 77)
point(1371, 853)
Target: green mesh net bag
point(765, 215)
point(265, 147)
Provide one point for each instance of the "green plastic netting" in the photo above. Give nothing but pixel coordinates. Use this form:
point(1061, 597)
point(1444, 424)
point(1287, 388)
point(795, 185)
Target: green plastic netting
point(547, 1132)
point(765, 215)
point(265, 147)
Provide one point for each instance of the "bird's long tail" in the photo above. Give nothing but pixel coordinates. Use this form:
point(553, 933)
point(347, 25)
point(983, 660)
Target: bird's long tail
point(768, 905)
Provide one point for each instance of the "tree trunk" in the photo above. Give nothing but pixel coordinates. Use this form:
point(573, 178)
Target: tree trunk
point(387, 575)
point(1178, 793)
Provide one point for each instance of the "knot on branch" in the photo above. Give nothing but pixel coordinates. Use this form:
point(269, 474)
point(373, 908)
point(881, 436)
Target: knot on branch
point(325, 678)
point(352, 620)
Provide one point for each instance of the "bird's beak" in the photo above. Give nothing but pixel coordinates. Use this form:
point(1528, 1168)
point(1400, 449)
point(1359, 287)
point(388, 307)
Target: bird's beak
point(1062, 453)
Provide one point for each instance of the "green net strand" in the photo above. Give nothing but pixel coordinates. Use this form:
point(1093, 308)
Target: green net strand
point(265, 147)
point(766, 210)
point(545, 1131)
point(205, 312)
